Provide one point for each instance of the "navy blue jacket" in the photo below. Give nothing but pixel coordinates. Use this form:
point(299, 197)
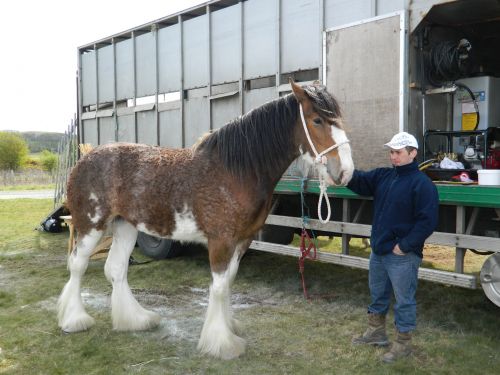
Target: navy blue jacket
point(406, 205)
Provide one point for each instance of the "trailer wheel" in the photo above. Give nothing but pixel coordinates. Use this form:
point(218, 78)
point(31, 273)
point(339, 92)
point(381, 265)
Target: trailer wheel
point(158, 248)
point(277, 234)
point(490, 278)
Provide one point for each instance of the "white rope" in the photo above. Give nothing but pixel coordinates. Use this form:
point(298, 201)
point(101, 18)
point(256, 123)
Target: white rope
point(320, 158)
point(322, 194)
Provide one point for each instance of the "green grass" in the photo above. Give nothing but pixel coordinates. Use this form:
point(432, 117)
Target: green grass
point(457, 334)
point(26, 187)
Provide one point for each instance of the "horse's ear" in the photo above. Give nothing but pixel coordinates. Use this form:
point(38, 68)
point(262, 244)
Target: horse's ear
point(298, 91)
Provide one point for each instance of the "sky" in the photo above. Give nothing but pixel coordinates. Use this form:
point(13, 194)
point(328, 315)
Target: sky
point(38, 62)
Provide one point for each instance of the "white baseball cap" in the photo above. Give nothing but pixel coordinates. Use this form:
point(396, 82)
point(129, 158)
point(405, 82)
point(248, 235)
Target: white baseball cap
point(402, 140)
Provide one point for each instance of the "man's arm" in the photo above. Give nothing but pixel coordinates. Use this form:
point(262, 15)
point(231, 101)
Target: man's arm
point(363, 183)
point(426, 218)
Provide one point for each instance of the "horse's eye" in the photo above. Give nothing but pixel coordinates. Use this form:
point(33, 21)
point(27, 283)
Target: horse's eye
point(317, 121)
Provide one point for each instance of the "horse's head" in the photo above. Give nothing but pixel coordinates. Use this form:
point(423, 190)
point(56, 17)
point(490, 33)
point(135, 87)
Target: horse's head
point(322, 139)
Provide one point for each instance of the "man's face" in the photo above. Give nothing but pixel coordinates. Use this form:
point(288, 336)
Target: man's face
point(402, 157)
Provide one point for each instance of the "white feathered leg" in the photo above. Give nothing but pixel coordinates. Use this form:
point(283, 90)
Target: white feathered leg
point(72, 315)
point(127, 314)
point(217, 336)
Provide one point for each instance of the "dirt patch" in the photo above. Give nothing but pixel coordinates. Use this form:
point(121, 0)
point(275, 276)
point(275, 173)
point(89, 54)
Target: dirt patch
point(182, 313)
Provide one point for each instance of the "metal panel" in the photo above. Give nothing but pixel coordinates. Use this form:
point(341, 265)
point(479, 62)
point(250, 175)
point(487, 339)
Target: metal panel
point(126, 128)
point(170, 128)
point(259, 38)
point(90, 131)
point(106, 130)
point(255, 98)
point(341, 12)
point(367, 81)
point(145, 46)
point(225, 45)
point(88, 74)
point(146, 127)
point(388, 6)
point(169, 59)
point(195, 46)
point(300, 47)
point(196, 119)
point(224, 110)
point(106, 74)
point(124, 70)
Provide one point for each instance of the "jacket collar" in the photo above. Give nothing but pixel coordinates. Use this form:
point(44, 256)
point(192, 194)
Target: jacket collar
point(406, 169)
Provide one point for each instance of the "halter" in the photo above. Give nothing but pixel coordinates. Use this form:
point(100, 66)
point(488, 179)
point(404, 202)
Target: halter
point(320, 159)
point(320, 156)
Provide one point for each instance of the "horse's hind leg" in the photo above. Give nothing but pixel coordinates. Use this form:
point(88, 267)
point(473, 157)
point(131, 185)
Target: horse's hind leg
point(217, 336)
point(72, 315)
point(127, 314)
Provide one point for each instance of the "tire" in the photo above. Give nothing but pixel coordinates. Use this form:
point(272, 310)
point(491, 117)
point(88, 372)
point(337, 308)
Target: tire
point(277, 234)
point(158, 248)
point(490, 276)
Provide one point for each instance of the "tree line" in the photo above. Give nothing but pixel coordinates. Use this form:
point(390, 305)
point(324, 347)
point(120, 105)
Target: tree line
point(15, 150)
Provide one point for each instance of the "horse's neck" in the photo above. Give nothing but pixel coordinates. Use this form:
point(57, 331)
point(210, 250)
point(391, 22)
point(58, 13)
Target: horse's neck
point(287, 161)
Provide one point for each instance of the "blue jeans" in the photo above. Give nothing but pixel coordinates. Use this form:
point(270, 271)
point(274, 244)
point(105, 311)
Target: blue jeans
point(399, 274)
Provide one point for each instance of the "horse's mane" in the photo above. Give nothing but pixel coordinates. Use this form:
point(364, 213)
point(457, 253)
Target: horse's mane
point(260, 143)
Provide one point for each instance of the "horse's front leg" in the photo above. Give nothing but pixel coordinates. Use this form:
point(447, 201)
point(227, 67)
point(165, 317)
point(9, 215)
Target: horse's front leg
point(218, 337)
point(127, 314)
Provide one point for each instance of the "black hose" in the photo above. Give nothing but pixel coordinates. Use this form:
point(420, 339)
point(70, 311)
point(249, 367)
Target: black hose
point(448, 62)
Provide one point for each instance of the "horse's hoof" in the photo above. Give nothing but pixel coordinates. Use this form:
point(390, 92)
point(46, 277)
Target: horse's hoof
point(80, 324)
point(235, 350)
point(141, 322)
point(230, 348)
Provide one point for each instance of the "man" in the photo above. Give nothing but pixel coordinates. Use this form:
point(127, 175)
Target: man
point(405, 213)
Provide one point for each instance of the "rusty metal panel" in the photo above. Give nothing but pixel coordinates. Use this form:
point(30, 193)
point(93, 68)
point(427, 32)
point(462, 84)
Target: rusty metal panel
point(90, 132)
point(170, 128)
point(367, 81)
point(225, 44)
point(195, 47)
point(224, 110)
point(106, 130)
point(124, 69)
point(259, 38)
point(300, 35)
point(106, 74)
point(126, 128)
point(146, 127)
point(169, 59)
point(255, 98)
point(88, 75)
point(196, 119)
point(145, 47)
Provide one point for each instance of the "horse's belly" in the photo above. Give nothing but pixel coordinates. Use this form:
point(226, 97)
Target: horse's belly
point(185, 229)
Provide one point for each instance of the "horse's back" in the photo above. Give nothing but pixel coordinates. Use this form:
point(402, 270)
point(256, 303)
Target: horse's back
point(119, 177)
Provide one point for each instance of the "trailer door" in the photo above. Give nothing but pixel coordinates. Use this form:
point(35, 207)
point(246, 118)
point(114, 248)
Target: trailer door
point(365, 67)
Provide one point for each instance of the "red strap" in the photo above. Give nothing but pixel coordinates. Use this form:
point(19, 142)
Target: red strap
point(305, 253)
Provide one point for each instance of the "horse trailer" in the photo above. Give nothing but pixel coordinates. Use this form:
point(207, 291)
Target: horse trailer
point(429, 67)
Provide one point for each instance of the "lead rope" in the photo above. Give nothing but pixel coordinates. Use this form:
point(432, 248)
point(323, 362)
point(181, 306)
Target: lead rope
point(305, 252)
point(323, 195)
